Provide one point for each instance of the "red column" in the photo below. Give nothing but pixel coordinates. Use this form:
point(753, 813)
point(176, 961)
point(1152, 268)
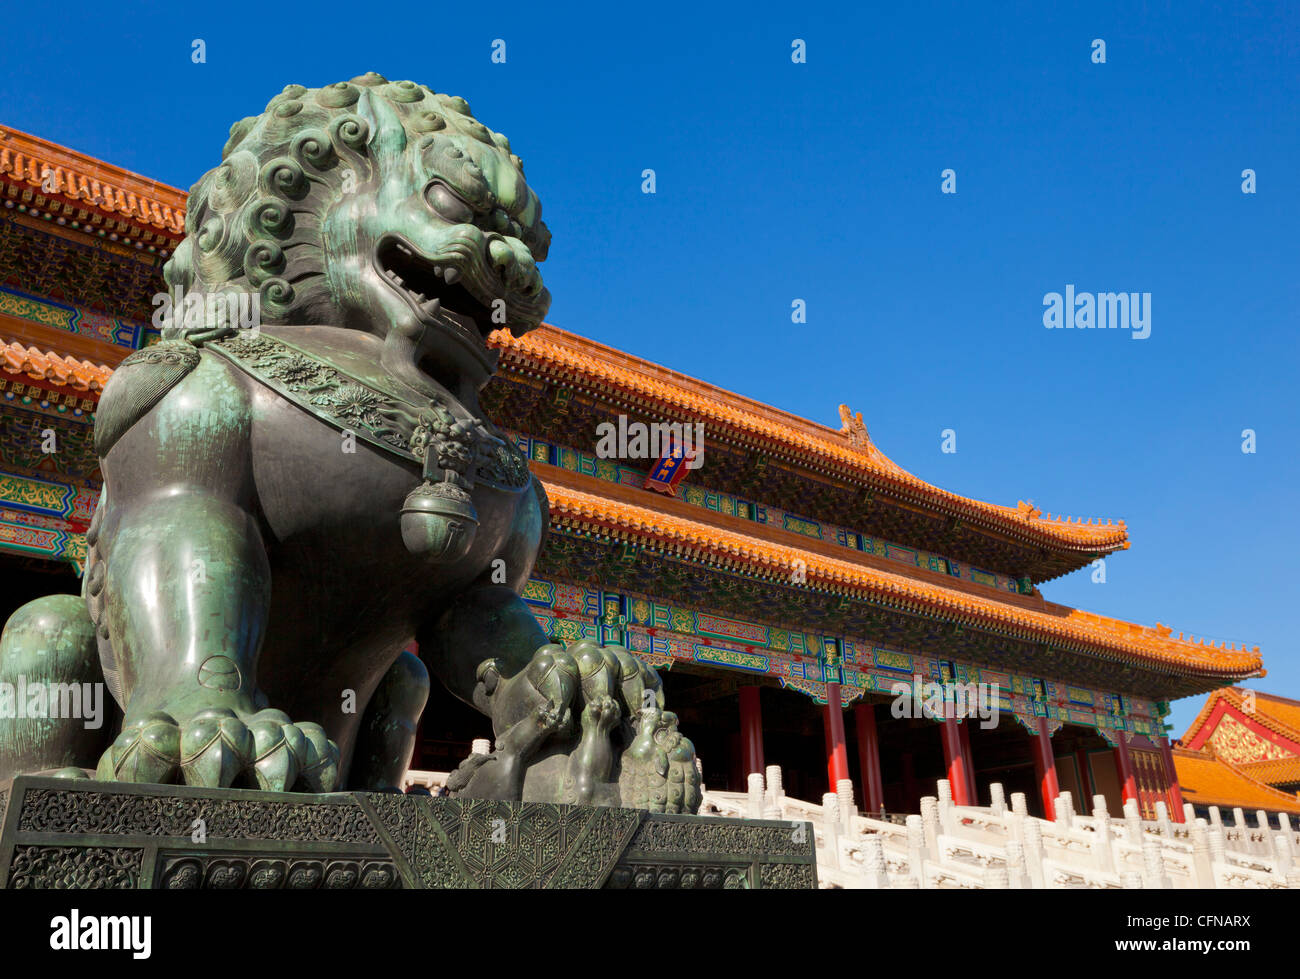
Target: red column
point(837, 753)
point(964, 730)
point(1045, 769)
point(1085, 781)
point(873, 791)
point(1175, 791)
point(1123, 761)
point(751, 730)
point(955, 762)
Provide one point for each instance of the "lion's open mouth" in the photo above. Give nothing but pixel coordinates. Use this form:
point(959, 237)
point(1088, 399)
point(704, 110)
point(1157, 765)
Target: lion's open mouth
point(433, 288)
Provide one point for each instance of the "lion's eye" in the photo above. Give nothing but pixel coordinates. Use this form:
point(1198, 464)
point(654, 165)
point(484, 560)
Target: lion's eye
point(448, 203)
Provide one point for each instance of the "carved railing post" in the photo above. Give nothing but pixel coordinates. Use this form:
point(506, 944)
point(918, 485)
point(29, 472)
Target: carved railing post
point(1018, 804)
point(1164, 826)
point(830, 827)
point(844, 791)
point(1133, 822)
point(917, 852)
point(1099, 810)
point(756, 792)
point(1034, 851)
point(1019, 813)
point(945, 805)
point(1218, 844)
point(998, 801)
point(875, 871)
point(775, 786)
point(1103, 846)
point(1153, 864)
point(930, 820)
point(1202, 856)
point(1019, 877)
point(1282, 855)
point(1064, 811)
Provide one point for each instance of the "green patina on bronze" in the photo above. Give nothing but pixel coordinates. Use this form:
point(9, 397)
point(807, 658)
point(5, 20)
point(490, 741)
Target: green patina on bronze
point(285, 509)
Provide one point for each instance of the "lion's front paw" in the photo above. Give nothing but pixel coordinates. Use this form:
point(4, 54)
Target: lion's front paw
point(216, 748)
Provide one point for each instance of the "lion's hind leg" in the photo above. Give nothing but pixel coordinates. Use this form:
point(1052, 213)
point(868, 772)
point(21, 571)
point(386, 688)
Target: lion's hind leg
point(386, 740)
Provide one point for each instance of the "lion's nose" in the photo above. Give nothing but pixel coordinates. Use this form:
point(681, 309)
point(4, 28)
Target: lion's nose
point(506, 263)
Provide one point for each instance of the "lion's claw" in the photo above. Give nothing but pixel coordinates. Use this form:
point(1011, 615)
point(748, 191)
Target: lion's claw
point(147, 750)
point(216, 748)
point(320, 773)
point(552, 717)
point(601, 714)
point(280, 751)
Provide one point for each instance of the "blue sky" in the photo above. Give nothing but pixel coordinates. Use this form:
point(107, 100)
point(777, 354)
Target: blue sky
point(821, 181)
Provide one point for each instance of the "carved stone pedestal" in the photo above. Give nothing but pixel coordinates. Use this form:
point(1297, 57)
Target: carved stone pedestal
point(83, 834)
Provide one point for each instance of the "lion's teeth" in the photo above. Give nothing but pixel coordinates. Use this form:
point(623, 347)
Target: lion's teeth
point(432, 307)
point(404, 250)
point(437, 270)
point(419, 298)
point(397, 279)
point(452, 275)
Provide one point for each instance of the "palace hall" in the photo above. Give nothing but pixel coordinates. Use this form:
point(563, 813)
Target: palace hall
point(782, 588)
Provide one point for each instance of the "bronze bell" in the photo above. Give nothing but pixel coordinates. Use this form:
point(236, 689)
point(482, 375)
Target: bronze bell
point(438, 522)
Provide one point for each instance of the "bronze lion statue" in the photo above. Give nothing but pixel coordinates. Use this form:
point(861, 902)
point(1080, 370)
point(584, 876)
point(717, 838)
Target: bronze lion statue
point(299, 480)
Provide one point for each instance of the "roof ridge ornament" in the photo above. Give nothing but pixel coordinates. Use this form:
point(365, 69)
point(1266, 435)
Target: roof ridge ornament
point(1027, 510)
point(852, 426)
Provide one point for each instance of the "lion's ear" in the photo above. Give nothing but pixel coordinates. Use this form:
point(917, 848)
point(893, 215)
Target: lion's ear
point(387, 134)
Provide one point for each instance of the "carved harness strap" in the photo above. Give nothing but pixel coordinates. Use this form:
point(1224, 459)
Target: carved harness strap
point(456, 449)
point(401, 426)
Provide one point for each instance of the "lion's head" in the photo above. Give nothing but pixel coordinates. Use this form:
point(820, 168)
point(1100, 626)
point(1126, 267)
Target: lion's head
point(376, 205)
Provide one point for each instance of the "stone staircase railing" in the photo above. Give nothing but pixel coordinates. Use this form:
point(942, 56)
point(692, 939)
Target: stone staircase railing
point(951, 846)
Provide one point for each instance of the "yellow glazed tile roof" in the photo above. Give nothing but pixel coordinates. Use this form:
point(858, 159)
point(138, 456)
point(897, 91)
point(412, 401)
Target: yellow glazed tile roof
point(80, 375)
point(586, 502)
point(1209, 781)
point(1275, 771)
point(1278, 714)
point(38, 164)
point(823, 449)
